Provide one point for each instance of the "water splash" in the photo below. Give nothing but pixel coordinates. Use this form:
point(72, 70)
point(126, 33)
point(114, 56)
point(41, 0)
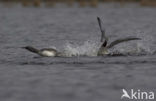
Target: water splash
point(89, 48)
point(132, 49)
point(146, 45)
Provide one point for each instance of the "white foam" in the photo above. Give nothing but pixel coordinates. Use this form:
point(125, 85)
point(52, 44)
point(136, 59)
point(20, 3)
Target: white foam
point(90, 48)
point(87, 49)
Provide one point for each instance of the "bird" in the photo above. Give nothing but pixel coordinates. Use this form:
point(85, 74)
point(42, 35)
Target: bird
point(103, 50)
point(125, 94)
point(45, 52)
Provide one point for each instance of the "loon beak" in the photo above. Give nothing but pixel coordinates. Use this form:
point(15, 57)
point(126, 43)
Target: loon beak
point(23, 47)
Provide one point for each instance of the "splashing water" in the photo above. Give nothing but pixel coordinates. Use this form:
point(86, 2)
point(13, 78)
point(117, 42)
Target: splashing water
point(87, 49)
point(90, 48)
point(132, 49)
point(146, 44)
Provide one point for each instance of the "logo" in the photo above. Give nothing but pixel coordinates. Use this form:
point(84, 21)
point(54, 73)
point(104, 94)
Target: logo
point(137, 94)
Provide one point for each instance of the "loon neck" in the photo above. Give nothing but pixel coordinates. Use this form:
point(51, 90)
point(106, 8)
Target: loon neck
point(32, 49)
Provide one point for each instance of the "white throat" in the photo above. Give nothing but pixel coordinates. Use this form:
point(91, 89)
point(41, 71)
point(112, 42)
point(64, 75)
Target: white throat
point(48, 53)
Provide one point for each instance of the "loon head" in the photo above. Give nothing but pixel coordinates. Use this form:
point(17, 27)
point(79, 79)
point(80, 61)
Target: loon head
point(32, 49)
point(27, 47)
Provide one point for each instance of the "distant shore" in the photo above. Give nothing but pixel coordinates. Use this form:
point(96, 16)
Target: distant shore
point(82, 3)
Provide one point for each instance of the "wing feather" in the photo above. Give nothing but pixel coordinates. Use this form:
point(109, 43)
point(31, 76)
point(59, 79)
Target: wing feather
point(121, 41)
point(103, 36)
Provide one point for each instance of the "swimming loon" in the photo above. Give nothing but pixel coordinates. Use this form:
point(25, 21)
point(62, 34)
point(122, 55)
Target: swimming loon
point(46, 52)
point(103, 50)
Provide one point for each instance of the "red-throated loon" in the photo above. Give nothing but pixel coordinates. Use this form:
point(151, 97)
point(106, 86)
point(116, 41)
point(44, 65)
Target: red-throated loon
point(46, 52)
point(103, 50)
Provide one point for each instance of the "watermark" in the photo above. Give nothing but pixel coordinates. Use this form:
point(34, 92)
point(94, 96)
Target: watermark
point(137, 94)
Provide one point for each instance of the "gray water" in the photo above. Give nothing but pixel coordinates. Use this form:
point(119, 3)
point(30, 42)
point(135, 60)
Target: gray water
point(81, 75)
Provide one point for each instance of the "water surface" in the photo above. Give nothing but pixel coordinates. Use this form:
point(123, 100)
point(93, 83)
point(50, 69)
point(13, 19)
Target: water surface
point(75, 31)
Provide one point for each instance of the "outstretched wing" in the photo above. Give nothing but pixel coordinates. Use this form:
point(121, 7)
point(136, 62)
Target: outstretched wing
point(102, 30)
point(122, 40)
